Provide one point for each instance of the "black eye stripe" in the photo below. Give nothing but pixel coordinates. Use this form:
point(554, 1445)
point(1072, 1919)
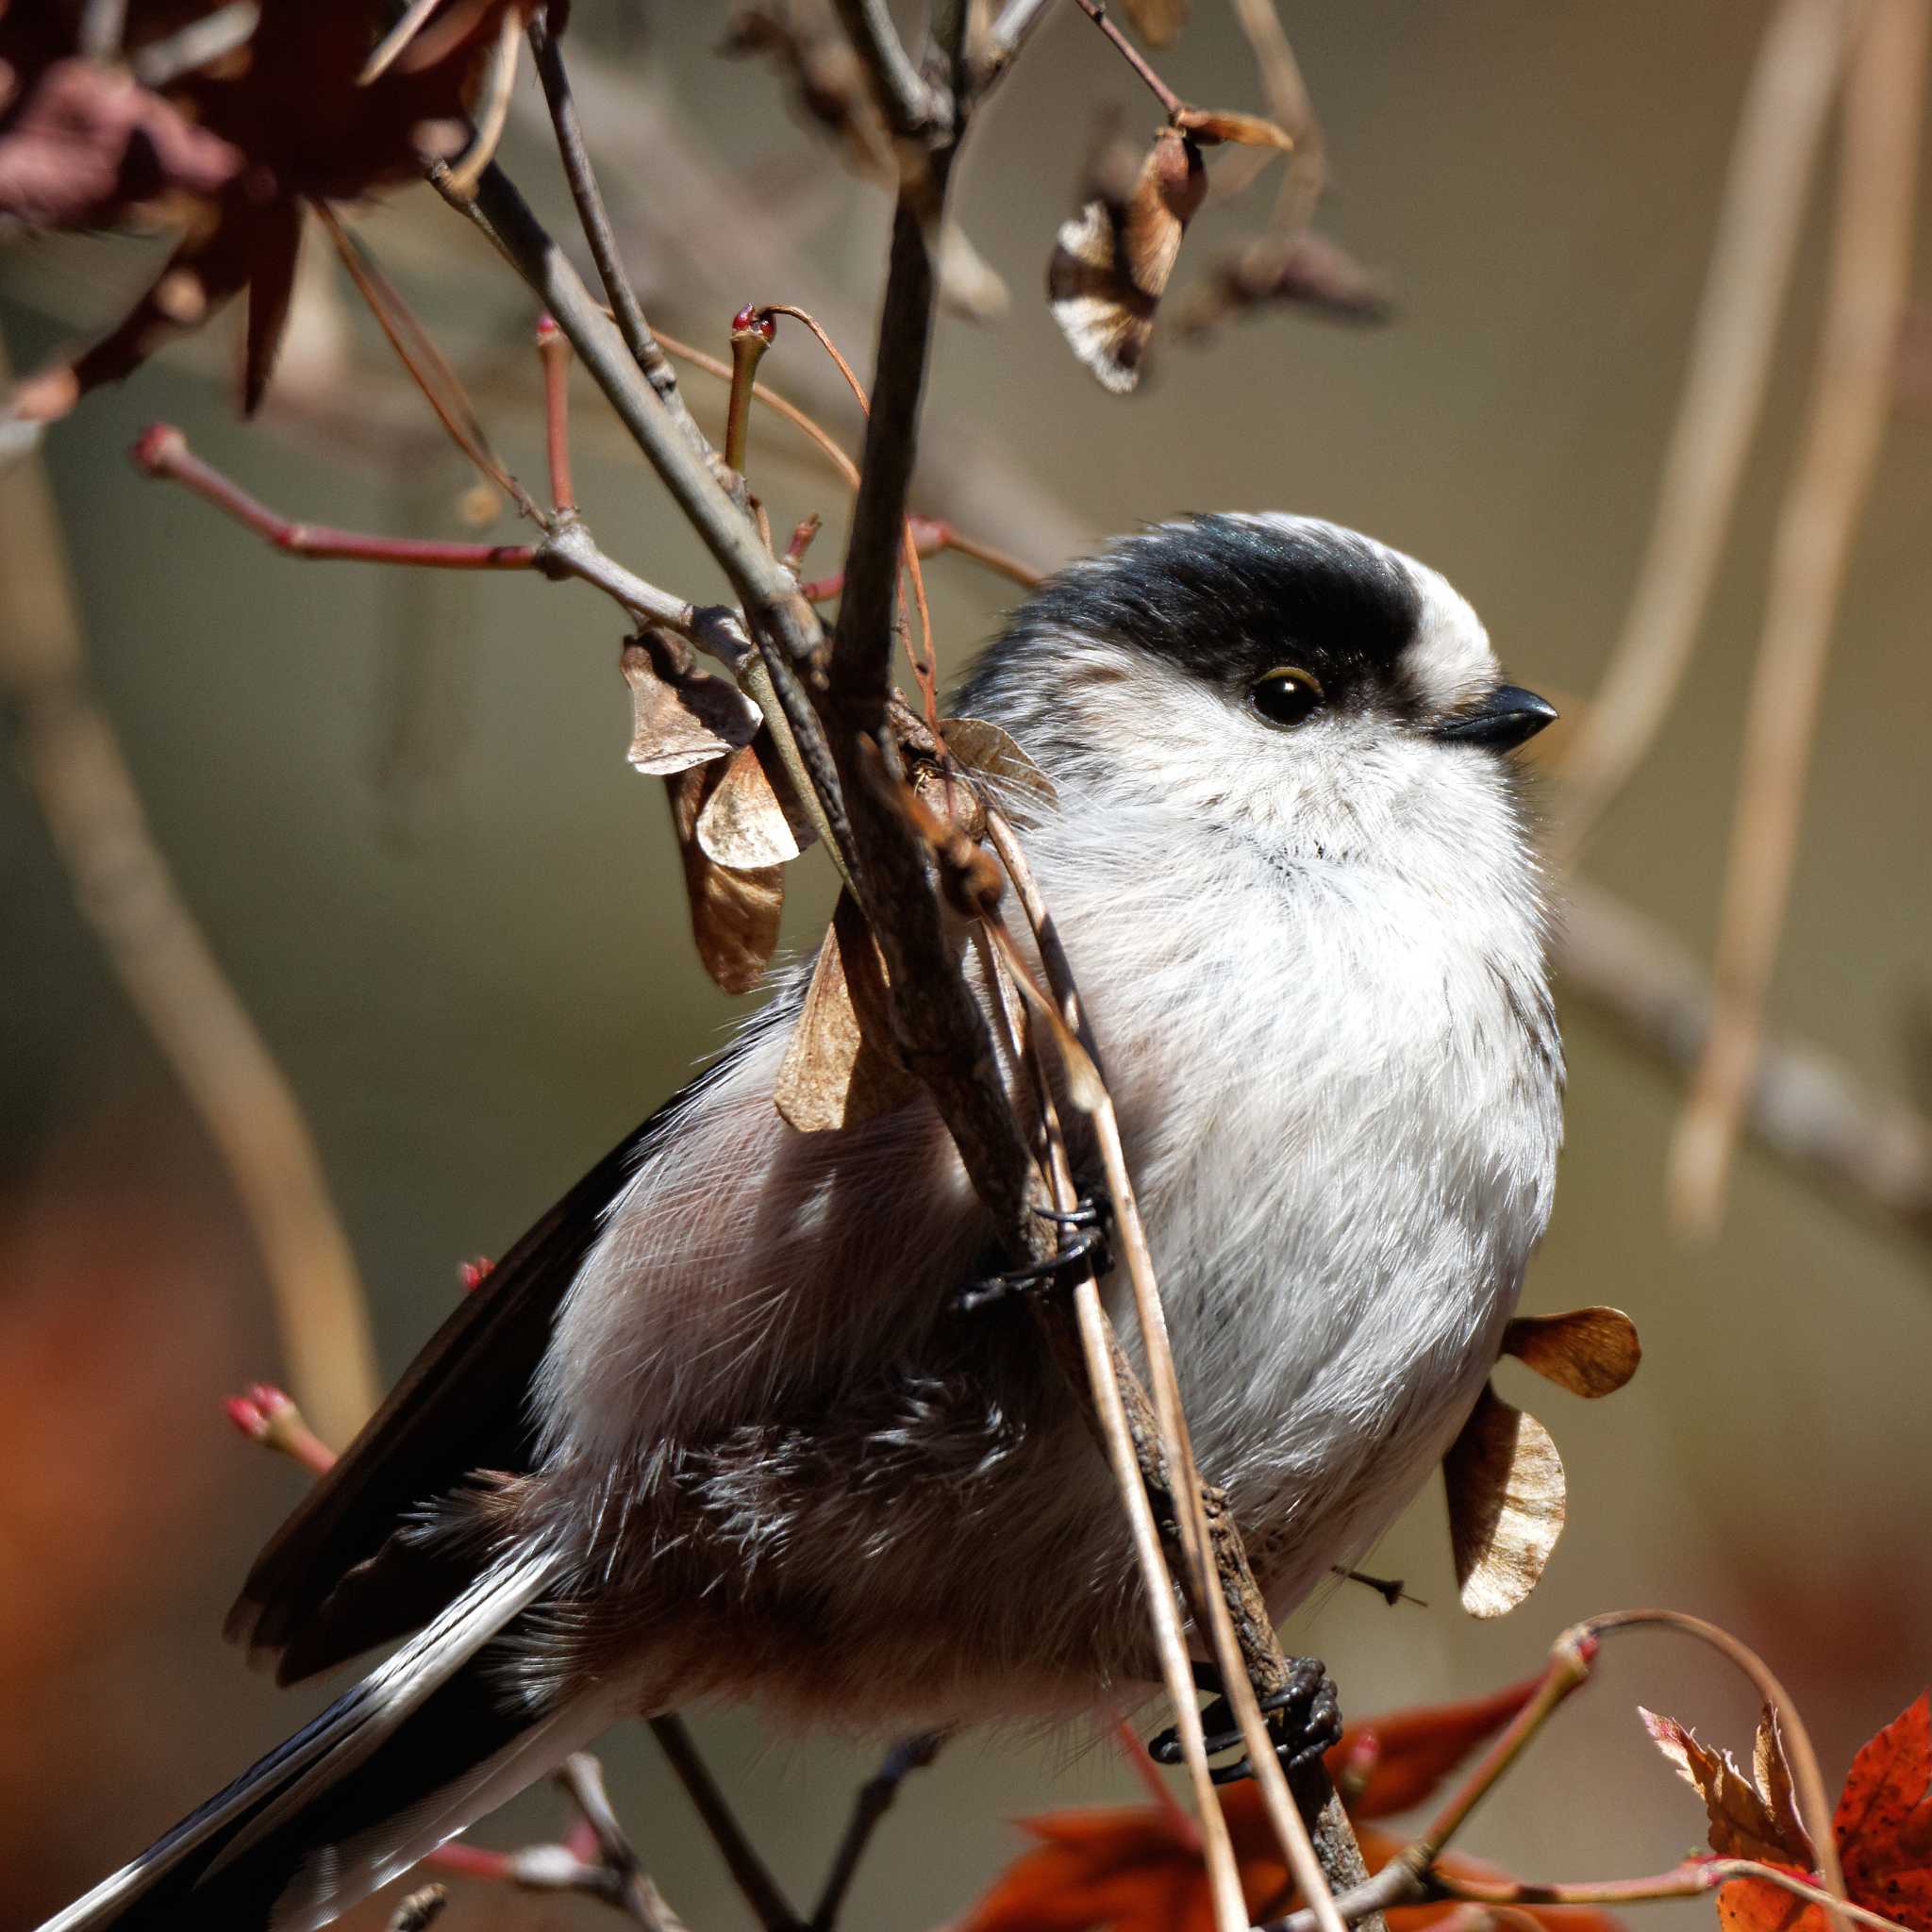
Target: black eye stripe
point(1286, 695)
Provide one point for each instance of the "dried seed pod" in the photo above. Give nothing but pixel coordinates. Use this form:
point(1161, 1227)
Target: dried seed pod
point(1112, 260)
point(842, 1066)
point(1590, 1351)
point(745, 823)
point(681, 716)
point(734, 914)
point(1211, 125)
point(1019, 787)
point(1506, 1505)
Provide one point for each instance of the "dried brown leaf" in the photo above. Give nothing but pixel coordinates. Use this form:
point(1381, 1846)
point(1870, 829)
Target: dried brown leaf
point(681, 716)
point(1743, 1825)
point(1019, 787)
point(1590, 1351)
point(1212, 125)
point(745, 822)
point(1111, 261)
point(1772, 1769)
point(1506, 1504)
point(842, 1066)
point(734, 915)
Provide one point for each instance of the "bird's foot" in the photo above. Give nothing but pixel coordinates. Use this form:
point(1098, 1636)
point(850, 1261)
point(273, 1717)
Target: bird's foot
point(1083, 1246)
point(1304, 1719)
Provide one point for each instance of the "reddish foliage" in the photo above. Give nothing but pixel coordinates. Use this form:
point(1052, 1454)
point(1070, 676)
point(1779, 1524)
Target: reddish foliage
point(1139, 1869)
point(302, 130)
point(1883, 1824)
point(1388, 1764)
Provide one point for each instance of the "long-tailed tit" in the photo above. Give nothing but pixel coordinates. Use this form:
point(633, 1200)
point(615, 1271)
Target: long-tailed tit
point(718, 1427)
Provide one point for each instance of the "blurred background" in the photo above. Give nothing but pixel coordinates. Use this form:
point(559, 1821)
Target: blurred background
point(397, 805)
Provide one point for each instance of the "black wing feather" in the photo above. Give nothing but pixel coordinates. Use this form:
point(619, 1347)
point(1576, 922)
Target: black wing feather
point(339, 1575)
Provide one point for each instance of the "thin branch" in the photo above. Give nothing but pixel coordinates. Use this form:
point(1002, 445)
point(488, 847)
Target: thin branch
point(1116, 1409)
point(582, 1777)
point(1687, 1880)
point(782, 623)
point(81, 779)
point(423, 361)
point(1866, 294)
point(1230, 1606)
point(1864, 1148)
point(1808, 1781)
point(911, 109)
point(748, 1871)
point(595, 220)
point(1171, 103)
point(1774, 158)
point(874, 1799)
point(567, 550)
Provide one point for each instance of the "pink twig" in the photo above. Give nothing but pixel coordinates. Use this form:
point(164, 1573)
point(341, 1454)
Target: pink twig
point(163, 450)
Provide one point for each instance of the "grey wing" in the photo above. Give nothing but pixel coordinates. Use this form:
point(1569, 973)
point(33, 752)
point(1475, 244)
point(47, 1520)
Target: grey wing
point(747, 1266)
point(341, 1575)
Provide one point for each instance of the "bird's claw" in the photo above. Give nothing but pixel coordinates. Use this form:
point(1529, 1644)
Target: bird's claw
point(1304, 1718)
point(1083, 1247)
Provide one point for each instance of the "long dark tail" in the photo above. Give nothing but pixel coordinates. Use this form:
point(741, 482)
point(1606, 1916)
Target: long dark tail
point(422, 1746)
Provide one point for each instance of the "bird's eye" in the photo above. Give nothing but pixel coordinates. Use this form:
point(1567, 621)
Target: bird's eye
point(1287, 694)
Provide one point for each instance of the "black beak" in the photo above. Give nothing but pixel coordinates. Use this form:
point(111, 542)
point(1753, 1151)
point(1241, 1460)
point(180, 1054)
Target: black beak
point(1509, 716)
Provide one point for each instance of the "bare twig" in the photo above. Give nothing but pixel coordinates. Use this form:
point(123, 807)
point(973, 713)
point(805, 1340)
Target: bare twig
point(567, 550)
point(910, 107)
point(1222, 1589)
point(748, 1871)
point(1866, 1149)
point(874, 1799)
point(81, 779)
point(1773, 161)
point(1690, 1880)
point(1117, 1409)
point(1416, 1874)
point(1171, 103)
point(941, 1029)
point(1808, 1781)
point(588, 198)
point(1851, 400)
point(582, 1777)
point(782, 623)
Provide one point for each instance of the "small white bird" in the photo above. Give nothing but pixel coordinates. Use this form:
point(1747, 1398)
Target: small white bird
point(716, 1427)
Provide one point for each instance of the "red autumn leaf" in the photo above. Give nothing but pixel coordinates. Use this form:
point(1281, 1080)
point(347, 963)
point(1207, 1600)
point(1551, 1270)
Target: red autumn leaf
point(306, 131)
point(1387, 1764)
point(1883, 1825)
point(1137, 1868)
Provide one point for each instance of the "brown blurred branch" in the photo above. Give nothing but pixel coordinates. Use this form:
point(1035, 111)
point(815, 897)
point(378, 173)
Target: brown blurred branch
point(1773, 158)
point(1864, 1148)
point(1851, 395)
point(80, 777)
